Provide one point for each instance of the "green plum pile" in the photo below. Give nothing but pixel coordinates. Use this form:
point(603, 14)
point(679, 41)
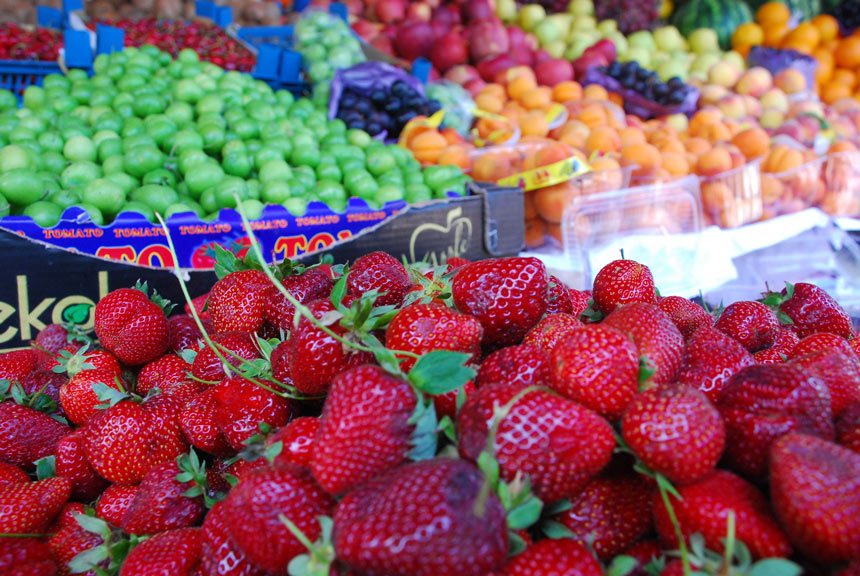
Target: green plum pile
point(508, 426)
point(149, 134)
point(326, 44)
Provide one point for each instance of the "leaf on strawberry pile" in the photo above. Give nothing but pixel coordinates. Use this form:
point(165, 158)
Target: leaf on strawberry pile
point(155, 298)
point(441, 371)
point(37, 401)
point(424, 437)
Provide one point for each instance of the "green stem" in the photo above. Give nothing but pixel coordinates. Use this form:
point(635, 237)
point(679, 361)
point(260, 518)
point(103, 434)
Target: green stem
point(682, 545)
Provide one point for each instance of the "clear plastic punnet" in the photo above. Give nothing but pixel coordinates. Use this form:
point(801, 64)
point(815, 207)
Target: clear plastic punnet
point(841, 177)
point(788, 190)
point(733, 198)
point(660, 224)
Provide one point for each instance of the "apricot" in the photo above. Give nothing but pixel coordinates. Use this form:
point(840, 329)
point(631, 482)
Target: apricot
point(602, 139)
point(554, 232)
point(567, 91)
point(718, 132)
point(697, 146)
point(644, 157)
point(515, 72)
point(551, 201)
point(593, 115)
point(704, 117)
point(529, 210)
point(451, 135)
point(489, 103)
point(595, 92)
point(752, 142)
point(520, 85)
point(842, 146)
point(536, 98)
point(455, 155)
point(782, 159)
point(491, 168)
point(533, 124)
point(535, 233)
point(630, 136)
point(496, 90)
point(675, 164)
point(713, 162)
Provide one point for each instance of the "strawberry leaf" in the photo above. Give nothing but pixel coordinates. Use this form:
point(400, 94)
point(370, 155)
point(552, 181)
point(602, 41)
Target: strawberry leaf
point(524, 514)
point(441, 371)
point(591, 313)
point(226, 262)
point(88, 560)
point(789, 291)
point(108, 396)
point(338, 292)
point(646, 372)
point(490, 467)
point(188, 355)
point(775, 567)
point(621, 566)
point(558, 507)
point(516, 545)
point(93, 525)
point(46, 467)
point(556, 531)
point(446, 427)
point(424, 440)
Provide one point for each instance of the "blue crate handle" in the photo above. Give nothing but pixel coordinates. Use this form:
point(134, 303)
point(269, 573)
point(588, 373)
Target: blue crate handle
point(72, 5)
point(79, 53)
point(48, 17)
point(268, 62)
point(224, 16)
point(300, 5)
point(340, 10)
point(267, 34)
point(205, 9)
point(291, 67)
point(421, 69)
point(109, 39)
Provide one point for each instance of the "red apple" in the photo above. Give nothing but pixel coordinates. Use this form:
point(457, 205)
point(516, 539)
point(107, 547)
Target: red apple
point(366, 29)
point(353, 6)
point(474, 87)
point(434, 75)
point(516, 36)
point(449, 14)
point(475, 10)
point(414, 40)
point(439, 28)
point(605, 47)
point(584, 62)
point(390, 31)
point(383, 44)
point(551, 72)
point(389, 11)
point(419, 11)
point(462, 74)
point(541, 55)
point(523, 56)
point(488, 69)
point(487, 39)
point(448, 51)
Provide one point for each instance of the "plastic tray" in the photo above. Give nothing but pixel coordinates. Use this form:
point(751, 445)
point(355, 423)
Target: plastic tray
point(841, 176)
point(791, 190)
point(733, 198)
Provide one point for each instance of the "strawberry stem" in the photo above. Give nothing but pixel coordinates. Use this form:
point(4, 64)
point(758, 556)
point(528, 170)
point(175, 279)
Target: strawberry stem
point(682, 545)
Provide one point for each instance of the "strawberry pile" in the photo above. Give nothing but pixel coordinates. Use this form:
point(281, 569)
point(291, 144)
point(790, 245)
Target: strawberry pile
point(478, 419)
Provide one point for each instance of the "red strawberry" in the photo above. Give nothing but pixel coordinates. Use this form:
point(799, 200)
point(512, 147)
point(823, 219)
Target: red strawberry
point(751, 323)
point(297, 440)
point(237, 301)
point(30, 508)
point(252, 509)
point(131, 326)
point(75, 360)
point(128, 439)
point(420, 328)
point(855, 345)
point(25, 557)
point(10, 474)
point(786, 340)
point(52, 338)
point(209, 367)
point(243, 405)
point(579, 301)
point(821, 341)
point(314, 357)
point(17, 364)
point(852, 570)
point(382, 272)
point(525, 364)
point(623, 282)
point(455, 262)
point(365, 428)
point(687, 315)
point(612, 512)
point(675, 431)
point(176, 552)
point(840, 371)
point(70, 541)
point(160, 503)
point(508, 295)
point(199, 425)
point(815, 489)
point(421, 520)
point(554, 557)
point(704, 507)
point(115, 502)
point(314, 284)
point(658, 340)
point(762, 403)
point(71, 462)
point(199, 305)
point(597, 367)
point(165, 373)
point(559, 297)
point(219, 554)
point(68, 515)
point(183, 332)
point(555, 441)
point(45, 383)
point(27, 435)
point(710, 359)
point(848, 428)
point(551, 330)
point(810, 309)
point(79, 398)
point(644, 553)
point(446, 404)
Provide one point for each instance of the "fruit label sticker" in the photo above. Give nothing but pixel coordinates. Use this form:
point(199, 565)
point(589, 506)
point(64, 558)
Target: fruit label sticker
point(454, 238)
point(511, 130)
point(548, 175)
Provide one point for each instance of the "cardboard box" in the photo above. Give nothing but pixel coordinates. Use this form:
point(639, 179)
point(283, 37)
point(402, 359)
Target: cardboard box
point(43, 283)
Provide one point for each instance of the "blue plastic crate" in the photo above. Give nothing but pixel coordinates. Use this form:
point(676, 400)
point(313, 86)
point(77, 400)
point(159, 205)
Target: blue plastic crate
point(256, 35)
point(16, 76)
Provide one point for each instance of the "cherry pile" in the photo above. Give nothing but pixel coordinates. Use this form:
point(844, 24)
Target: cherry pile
point(508, 426)
point(16, 43)
point(208, 40)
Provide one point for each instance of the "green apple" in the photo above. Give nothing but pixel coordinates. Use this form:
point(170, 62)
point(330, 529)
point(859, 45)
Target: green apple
point(672, 68)
point(582, 23)
point(668, 38)
point(556, 49)
point(580, 7)
point(642, 39)
point(531, 15)
point(607, 27)
point(506, 10)
point(548, 31)
point(620, 41)
point(704, 40)
point(703, 62)
point(575, 49)
point(735, 58)
point(637, 54)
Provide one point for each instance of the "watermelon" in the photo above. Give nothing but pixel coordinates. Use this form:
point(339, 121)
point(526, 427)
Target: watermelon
point(804, 9)
point(724, 16)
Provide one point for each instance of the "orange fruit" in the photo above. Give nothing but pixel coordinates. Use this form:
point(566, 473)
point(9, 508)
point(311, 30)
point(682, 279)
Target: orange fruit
point(804, 37)
point(847, 54)
point(774, 33)
point(843, 76)
point(833, 91)
point(826, 64)
point(773, 13)
point(748, 34)
point(827, 26)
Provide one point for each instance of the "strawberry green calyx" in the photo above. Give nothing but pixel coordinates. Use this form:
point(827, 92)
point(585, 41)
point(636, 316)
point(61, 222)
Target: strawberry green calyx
point(775, 300)
point(112, 396)
point(155, 297)
point(193, 470)
point(320, 556)
point(436, 287)
point(73, 363)
point(257, 447)
point(107, 558)
point(38, 401)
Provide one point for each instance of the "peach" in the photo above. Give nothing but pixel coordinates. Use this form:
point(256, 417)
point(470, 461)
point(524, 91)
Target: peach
point(771, 118)
point(755, 82)
point(752, 105)
point(710, 94)
point(752, 142)
point(603, 139)
point(732, 106)
point(790, 81)
point(713, 162)
point(679, 122)
point(775, 98)
point(724, 74)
